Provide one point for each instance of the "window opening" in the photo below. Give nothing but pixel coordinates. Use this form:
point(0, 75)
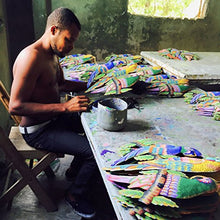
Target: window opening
point(191, 9)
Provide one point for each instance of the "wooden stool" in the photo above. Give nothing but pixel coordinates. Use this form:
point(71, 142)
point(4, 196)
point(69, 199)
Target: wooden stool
point(16, 151)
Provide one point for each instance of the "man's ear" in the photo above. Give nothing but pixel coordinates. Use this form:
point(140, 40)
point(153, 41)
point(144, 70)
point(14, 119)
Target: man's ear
point(53, 29)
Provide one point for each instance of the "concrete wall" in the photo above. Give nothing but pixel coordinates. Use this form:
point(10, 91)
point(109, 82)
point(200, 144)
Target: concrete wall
point(5, 75)
point(16, 32)
point(108, 28)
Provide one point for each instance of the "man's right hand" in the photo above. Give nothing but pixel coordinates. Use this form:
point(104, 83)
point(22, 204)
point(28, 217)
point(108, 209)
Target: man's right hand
point(77, 104)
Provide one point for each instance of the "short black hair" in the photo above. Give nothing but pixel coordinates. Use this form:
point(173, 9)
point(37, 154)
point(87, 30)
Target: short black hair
point(63, 18)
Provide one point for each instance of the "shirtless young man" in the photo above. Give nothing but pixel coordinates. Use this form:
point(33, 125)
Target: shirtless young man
point(46, 123)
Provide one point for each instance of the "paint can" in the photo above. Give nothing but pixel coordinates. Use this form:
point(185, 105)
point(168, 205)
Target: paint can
point(112, 114)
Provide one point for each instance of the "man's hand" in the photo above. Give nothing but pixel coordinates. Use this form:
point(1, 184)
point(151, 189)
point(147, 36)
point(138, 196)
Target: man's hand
point(77, 104)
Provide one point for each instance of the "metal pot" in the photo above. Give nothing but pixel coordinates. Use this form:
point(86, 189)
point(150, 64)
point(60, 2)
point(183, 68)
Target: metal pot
point(112, 114)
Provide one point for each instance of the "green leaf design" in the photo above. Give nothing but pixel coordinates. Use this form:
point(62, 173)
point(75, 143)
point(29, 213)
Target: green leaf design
point(132, 193)
point(144, 157)
point(163, 201)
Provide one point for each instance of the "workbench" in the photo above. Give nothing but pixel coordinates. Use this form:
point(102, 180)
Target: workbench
point(165, 120)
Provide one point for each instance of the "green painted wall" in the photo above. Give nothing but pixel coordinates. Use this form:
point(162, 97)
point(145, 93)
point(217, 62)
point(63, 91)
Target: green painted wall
point(5, 75)
point(108, 28)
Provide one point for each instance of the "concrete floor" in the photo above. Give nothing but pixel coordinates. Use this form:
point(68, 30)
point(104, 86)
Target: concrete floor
point(26, 206)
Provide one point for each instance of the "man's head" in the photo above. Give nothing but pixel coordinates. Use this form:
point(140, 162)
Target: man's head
point(64, 28)
point(64, 18)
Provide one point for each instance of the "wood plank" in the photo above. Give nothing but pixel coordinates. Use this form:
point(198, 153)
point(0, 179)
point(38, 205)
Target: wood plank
point(206, 70)
point(4, 98)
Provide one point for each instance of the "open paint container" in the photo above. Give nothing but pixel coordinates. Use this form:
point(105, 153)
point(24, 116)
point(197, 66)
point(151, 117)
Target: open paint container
point(112, 114)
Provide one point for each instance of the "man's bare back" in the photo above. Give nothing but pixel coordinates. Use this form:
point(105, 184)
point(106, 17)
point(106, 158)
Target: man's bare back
point(38, 79)
point(42, 83)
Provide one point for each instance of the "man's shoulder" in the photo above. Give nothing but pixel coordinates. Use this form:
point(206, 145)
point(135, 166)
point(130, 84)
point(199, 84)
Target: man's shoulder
point(30, 51)
point(30, 54)
point(29, 57)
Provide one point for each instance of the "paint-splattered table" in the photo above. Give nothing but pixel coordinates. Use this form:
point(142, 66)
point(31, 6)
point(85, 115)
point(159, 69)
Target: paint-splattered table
point(166, 120)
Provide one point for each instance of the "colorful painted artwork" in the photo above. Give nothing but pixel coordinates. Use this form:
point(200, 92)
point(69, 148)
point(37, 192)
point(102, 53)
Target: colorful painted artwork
point(160, 181)
point(205, 103)
point(121, 72)
point(172, 53)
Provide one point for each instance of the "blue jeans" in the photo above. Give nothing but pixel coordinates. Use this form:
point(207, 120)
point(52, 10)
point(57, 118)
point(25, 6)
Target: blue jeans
point(61, 135)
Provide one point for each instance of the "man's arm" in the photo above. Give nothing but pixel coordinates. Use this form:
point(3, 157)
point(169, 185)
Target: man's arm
point(70, 86)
